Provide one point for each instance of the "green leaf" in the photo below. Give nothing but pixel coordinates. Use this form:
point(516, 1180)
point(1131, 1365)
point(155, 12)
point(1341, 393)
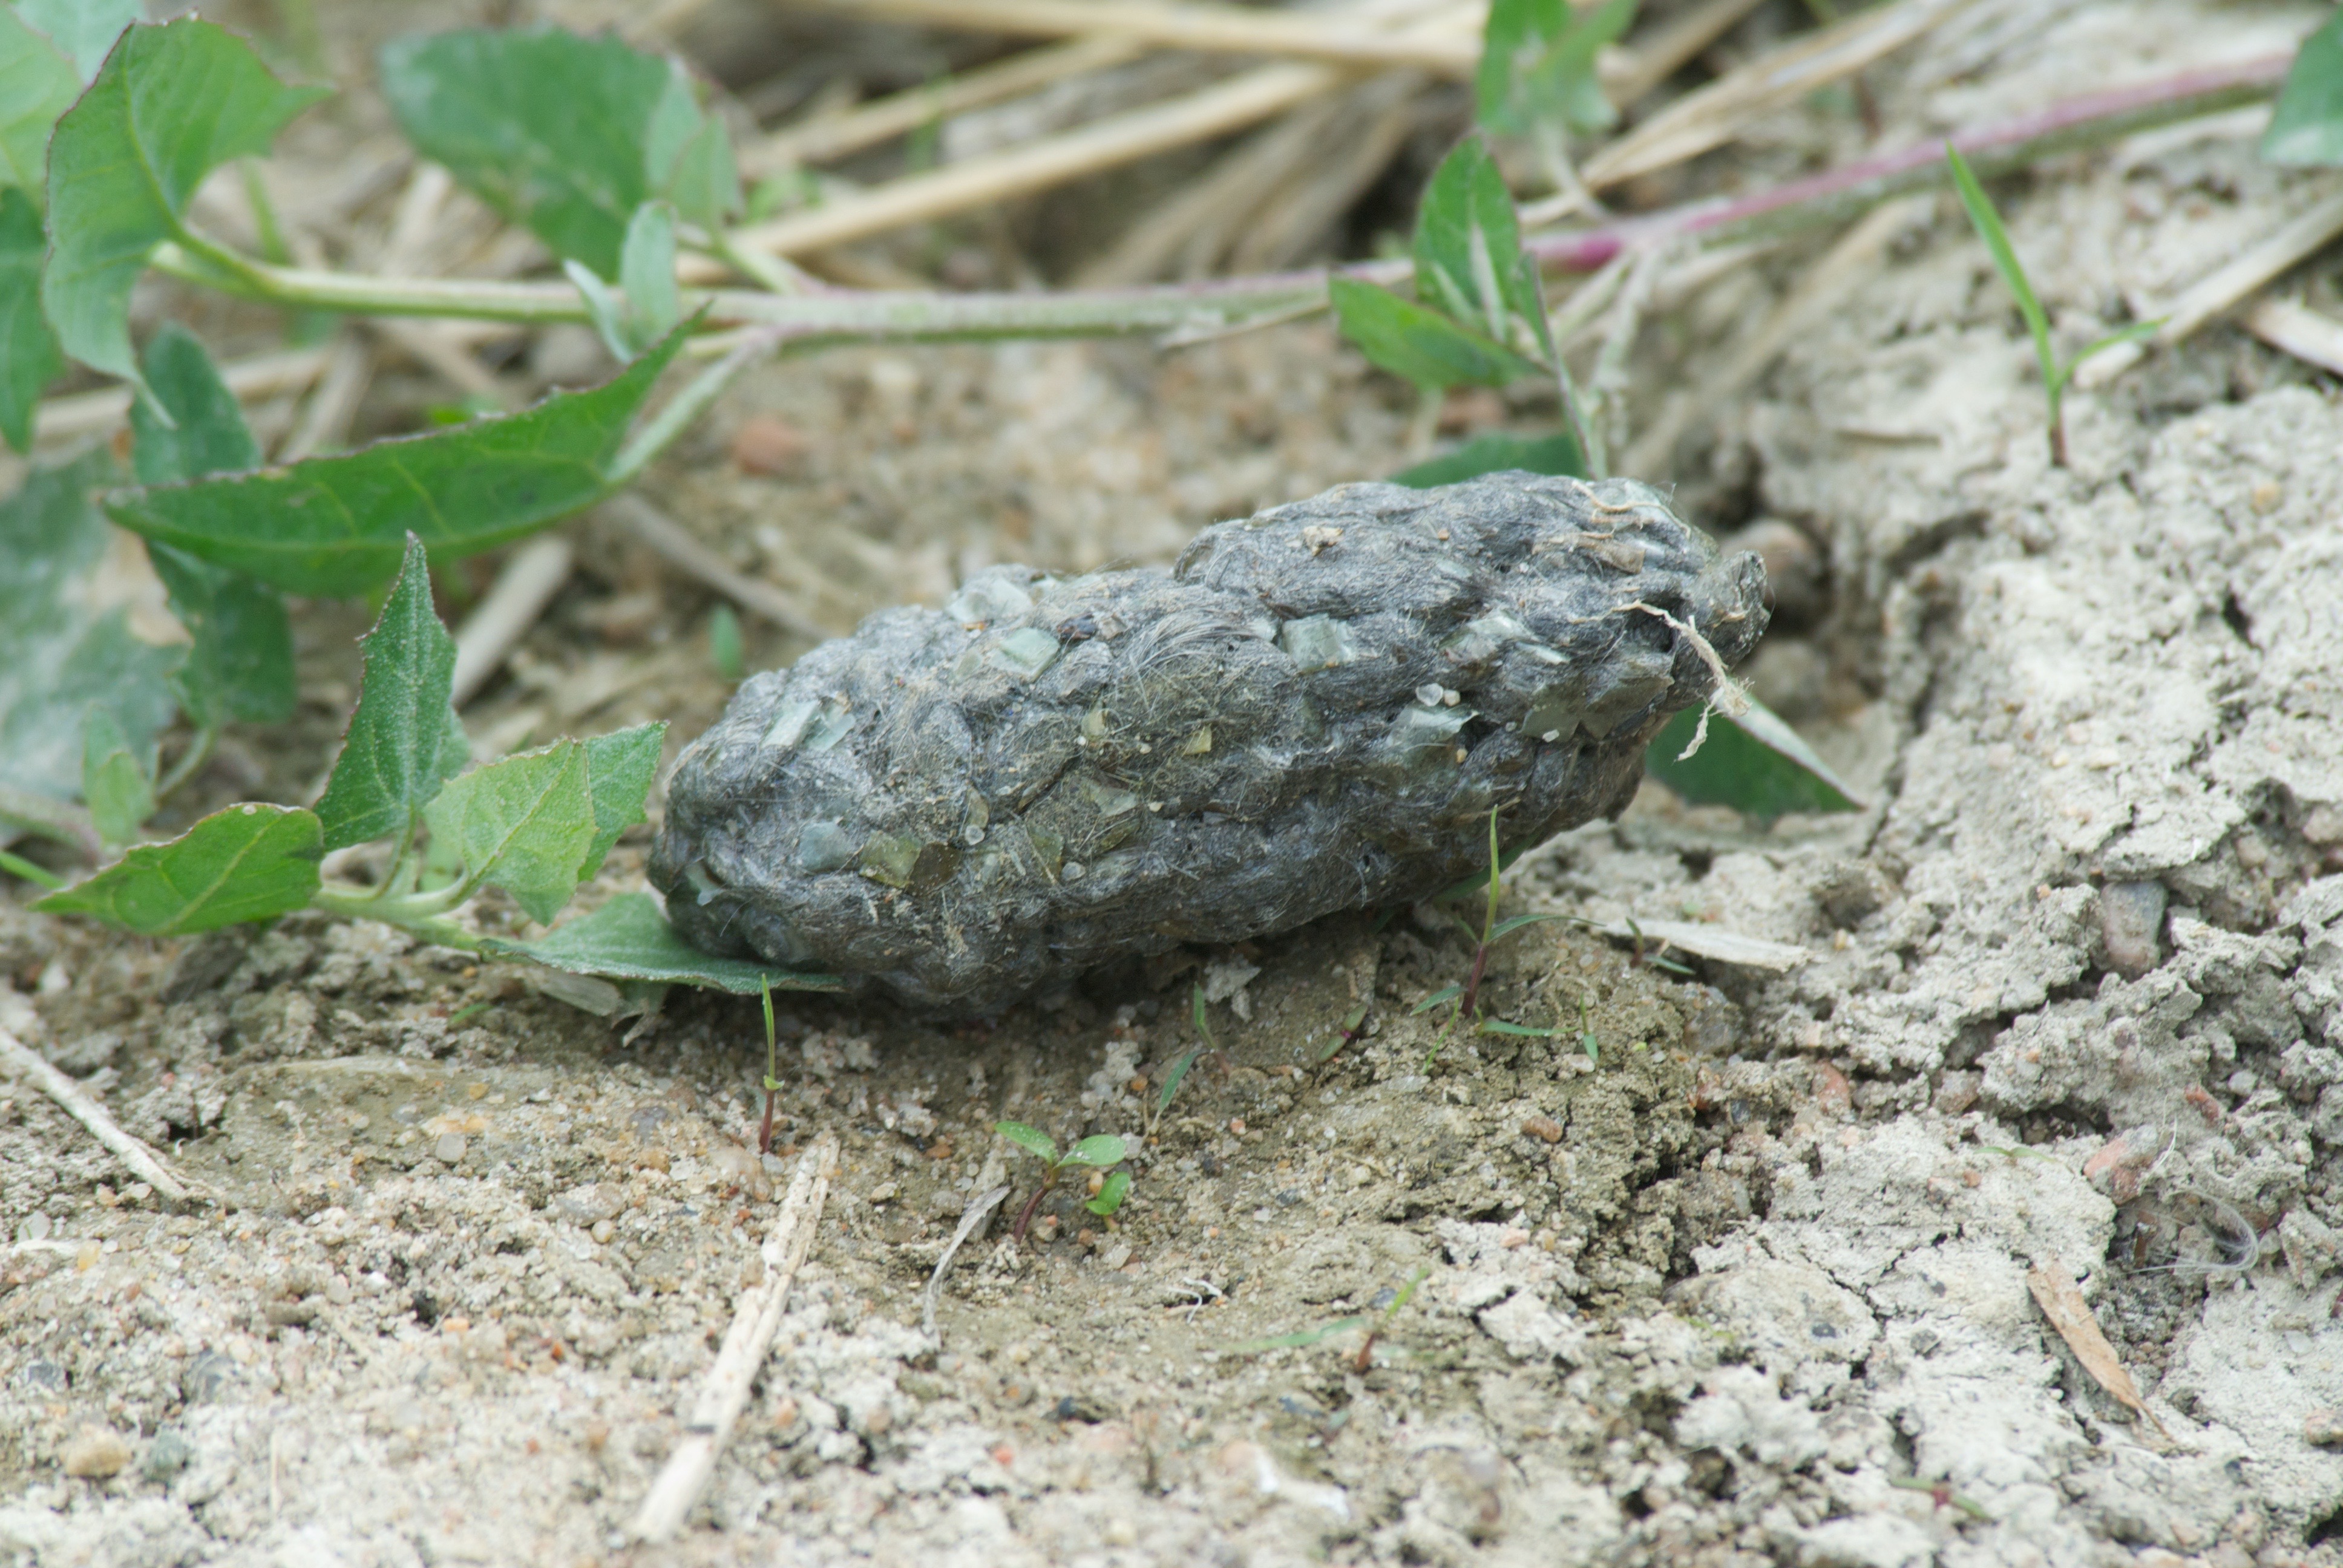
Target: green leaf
point(83, 30)
point(1419, 343)
point(2306, 125)
point(1303, 1338)
point(629, 938)
point(647, 272)
point(337, 526)
point(1098, 1150)
point(1110, 1196)
point(1496, 455)
point(37, 84)
point(569, 136)
point(117, 779)
point(1988, 225)
point(1506, 928)
point(29, 358)
point(246, 863)
point(522, 824)
point(170, 105)
point(619, 769)
point(404, 742)
point(1468, 249)
point(1175, 1078)
point(1755, 763)
point(1499, 1026)
point(1031, 1139)
point(240, 667)
point(1445, 993)
point(724, 650)
point(56, 657)
point(1537, 65)
point(207, 433)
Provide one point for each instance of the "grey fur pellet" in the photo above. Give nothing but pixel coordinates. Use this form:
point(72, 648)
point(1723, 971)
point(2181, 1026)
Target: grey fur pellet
point(1315, 709)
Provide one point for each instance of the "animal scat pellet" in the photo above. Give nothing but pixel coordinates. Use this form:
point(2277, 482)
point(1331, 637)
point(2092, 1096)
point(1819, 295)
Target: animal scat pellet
point(1315, 709)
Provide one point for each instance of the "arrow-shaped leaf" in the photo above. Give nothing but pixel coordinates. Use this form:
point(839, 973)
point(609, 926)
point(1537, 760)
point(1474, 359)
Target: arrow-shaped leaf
point(246, 863)
point(338, 526)
point(404, 742)
point(170, 105)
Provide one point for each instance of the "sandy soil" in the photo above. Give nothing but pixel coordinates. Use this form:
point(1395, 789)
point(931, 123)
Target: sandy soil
point(1733, 1270)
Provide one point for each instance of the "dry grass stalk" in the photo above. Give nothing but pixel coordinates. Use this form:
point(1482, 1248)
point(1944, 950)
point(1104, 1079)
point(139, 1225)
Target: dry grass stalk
point(677, 545)
point(141, 1161)
point(826, 137)
point(2292, 328)
point(726, 1392)
point(1657, 58)
point(333, 405)
point(524, 585)
point(262, 376)
point(1117, 139)
point(2061, 1300)
point(1821, 288)
point(1454, 52)
point(1716, 114)
point(2220, 292)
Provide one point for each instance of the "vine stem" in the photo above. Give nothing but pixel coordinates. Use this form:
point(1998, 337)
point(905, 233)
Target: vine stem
point(822, 317)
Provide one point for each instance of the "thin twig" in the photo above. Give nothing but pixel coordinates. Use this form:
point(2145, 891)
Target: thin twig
point(2292, 328)
point(2293, 243)
point(524, 585)
point(677, 545)
point(1674, 46)
point(1716, 114)
point(92, 413)
point(980, 1208)
point(1821, 288)
point(143, 1161)
point(334, 401)
point(759, 1317)
point(1212, 29)
point(834, 137)
point(1103, 144)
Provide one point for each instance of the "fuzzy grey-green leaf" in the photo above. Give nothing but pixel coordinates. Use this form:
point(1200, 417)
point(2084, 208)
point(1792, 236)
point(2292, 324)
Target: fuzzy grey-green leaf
point(37, 84)
point(249, 862)
point(337, 526)
point(29, 358)
point(170, 105)
point(404, 740)
point(570, 136)
point(629, 938)
point(521, 823)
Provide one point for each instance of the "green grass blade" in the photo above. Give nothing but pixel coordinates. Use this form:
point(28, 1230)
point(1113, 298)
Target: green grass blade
point(1445, 993)
point(1989, 228)
point(1174, 1079)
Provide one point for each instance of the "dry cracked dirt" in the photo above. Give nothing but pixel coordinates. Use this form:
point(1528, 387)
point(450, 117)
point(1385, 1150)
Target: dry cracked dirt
point(1732, 1270)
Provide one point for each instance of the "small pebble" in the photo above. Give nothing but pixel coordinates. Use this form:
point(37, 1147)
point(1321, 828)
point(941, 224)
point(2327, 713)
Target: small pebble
point(2323, 1427)
point(96, 1455)
point(449, 1150)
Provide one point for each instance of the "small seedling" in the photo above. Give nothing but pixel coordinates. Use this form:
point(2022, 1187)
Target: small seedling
point(1109, 1198)
point(464, 1013)
point(1373, 1323)
point(1097, 1152)
point(1179, 1074)
point(772, 1074)
point(724, 649)
point(1353, 1026)
point(2054, 374)
point(1467, 995)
